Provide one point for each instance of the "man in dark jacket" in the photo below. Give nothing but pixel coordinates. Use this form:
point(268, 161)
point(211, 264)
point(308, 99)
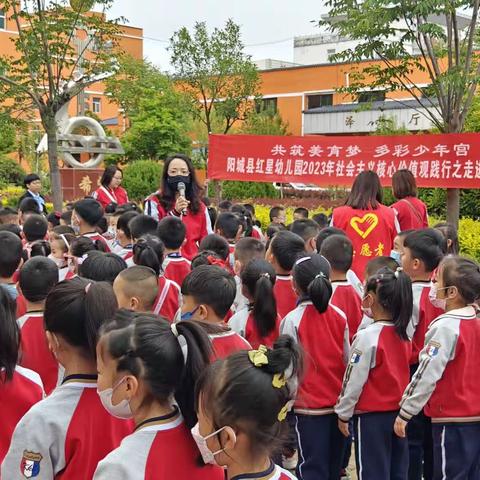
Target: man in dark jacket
point(33, 184)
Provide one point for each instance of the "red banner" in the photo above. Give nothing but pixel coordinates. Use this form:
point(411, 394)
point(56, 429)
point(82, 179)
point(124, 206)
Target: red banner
point(446, 161)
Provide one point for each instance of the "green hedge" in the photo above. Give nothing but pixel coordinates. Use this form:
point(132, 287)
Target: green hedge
point(141, 178)
point(11, 173)
point(247, 190)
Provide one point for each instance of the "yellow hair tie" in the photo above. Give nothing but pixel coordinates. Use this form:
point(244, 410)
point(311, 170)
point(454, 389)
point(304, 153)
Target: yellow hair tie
point(279, 380)
point(283, 412)
point(259, 357)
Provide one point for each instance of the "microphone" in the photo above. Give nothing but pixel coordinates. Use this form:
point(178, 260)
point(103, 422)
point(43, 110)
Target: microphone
point(181, 190)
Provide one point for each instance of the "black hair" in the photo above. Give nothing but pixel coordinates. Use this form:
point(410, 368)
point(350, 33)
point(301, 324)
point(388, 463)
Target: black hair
point(37, 277)
point(305, 228)
point(428, 245)
point(7, 212)
point(102, 267)
point(111, 208)
point(67, 217)
point(245, 218)
point(366, 192)
point(142, 282)
point(321, 219)
point(215, 243)
point(208, 257)
point(212, 286)
point(172, 232)
point(54, 219)
point(108, 175)
point(212, 214)
point(258, 277)
point(228, 224)
point(39, 248)
point(404, 184)
point(247, 249)
point(287, 248)
point(250, 208)
point(450, 233)
point(149, 251)
point(9, 337)
point(12, 228)
point(35, 228)
point(338, 250)
point(225, 206)
point(377, 263)
point(76, 309)
point(233, 391)
point(29, 205)
point(193, 191)
point(102, 226)
point(301, 211)
point(124, 222)
point(81, 245)
point(273, 229)
point(146, 346)
point(31, 177)
point(394, 294)
point(311, 276)
point(464, 274)
point(274, 212)
point(89, 210)
point(142, 225)
point(11, 248)
point(63, 230)
point(327, 232)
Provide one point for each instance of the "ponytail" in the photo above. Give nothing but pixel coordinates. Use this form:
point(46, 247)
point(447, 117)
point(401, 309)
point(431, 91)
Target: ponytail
point(149, 251)
point(258, 277)
point(9, 336)
point(311, 276)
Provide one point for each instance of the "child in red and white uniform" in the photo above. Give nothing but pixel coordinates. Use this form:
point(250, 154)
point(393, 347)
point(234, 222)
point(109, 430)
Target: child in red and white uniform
point(37, 277)
point(284, 250)
point(59, 245)
point(20, 388)
point(208, 293)
point(321, 330)
point(172, 231)
point(110, 191)
point(131, 385)
point(231, 227)
point(446, 382)
point(149, 252)
point(259, 322)
point(69, 432)
point(124, 242)
point(376, 376)
point(242, 406)
point(338, 250)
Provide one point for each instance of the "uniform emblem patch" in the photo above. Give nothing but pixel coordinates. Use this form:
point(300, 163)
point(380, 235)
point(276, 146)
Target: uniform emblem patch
point(432, 349)
point(356, 355)
point(30, 465)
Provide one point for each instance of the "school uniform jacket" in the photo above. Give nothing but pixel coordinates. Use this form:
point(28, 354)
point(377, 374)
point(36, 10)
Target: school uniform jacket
point(324, 339)
point(176, 268)
point(284, 295)
point(372, 233)
point(377, 372)
point(105, 196)
point(65, 435)
point(169, 299)
point(244, 324)
point(446, 381)
point(347, 300)
point(226, 343)
point(94, 236)
point(423, 314)
point(274, 472)
point(160, 449)
point(35, 353)
point(198, 224)
point(17, 396)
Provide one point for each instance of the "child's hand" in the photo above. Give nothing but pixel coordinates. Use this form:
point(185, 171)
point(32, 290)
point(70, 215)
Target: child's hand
point(400, 427)
point(343, 427)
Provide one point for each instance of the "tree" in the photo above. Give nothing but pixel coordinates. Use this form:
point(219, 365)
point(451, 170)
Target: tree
point(53, 65)
point(403, 36)
point(264, 123)
point(8, 140)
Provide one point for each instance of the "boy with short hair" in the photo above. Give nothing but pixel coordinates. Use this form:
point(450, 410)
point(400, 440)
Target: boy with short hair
point(86, 215)
point(28, 206)
point(284, 250)
point(278, 216)
point(142, 225)
point(136, 288)
point(308, 230)
point(8, 216)
point(33, 184)
point(37, 278)
point(172, 232)
point(208, 293)
point(300, 213)
point(10, 260)
point(35, 228)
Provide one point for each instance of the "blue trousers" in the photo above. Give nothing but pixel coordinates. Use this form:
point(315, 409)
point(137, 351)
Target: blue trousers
point(456, 451)
point(379, 453)
point(321, 447)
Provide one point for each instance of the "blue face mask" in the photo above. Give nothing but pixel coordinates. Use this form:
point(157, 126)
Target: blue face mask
point(189, 315)
point(397, 256)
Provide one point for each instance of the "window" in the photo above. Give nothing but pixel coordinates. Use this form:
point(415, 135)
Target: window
point(267, 105)
point(2, 19)
point(330, 52)
point(368, 97)
point(315, 101)
point(96, 105)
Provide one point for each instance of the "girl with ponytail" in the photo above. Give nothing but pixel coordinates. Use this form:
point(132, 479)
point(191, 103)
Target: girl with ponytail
point(259, 322)
point(376, 377)
point(147, 372)
point(321, 330)
point(68, 433)
point(242, 404)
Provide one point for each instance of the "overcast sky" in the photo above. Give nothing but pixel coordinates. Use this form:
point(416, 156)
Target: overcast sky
point(262, 21)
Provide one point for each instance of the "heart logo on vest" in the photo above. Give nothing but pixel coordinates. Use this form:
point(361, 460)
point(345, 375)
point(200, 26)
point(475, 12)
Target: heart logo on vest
point(364, 225)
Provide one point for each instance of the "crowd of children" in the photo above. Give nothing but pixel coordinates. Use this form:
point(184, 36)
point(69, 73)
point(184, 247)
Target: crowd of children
point(262, 355)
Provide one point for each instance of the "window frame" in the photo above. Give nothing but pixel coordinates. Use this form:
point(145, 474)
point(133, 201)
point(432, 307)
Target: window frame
point(96, 104)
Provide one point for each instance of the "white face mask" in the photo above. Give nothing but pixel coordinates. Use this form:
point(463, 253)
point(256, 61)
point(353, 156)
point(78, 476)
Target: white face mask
point(440, 303)
point(121, 410)
point(60, 262)
point(397, 256)
point(207, 455)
